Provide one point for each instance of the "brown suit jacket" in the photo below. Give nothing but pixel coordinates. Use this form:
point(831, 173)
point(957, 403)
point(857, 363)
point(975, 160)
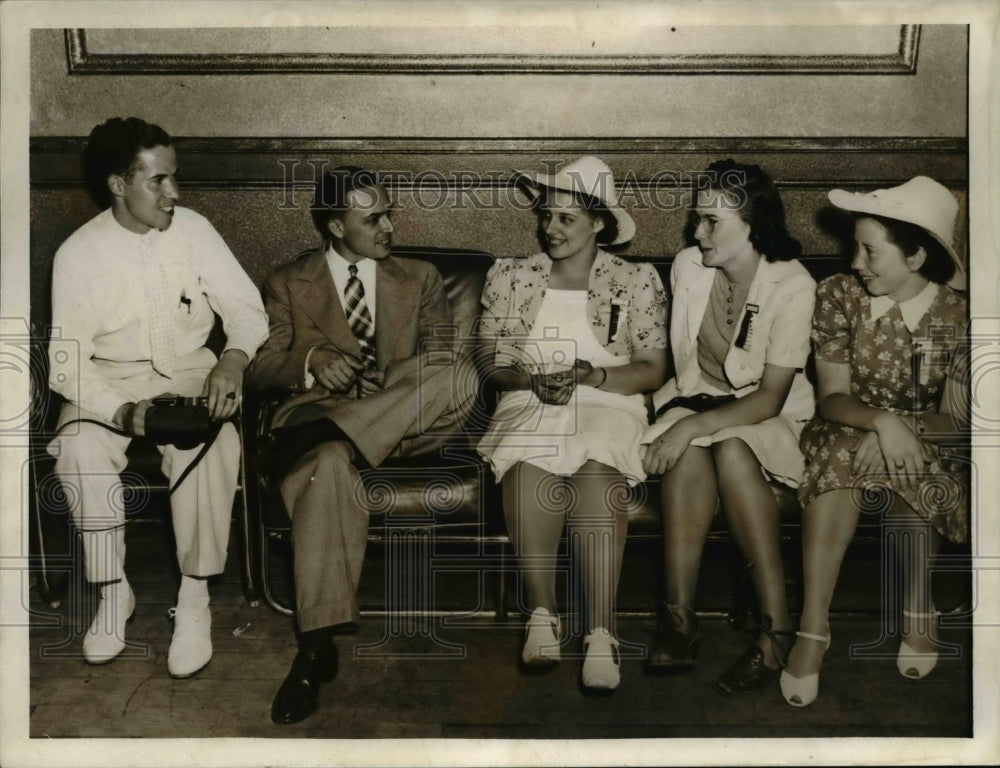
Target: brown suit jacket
point(304, 311)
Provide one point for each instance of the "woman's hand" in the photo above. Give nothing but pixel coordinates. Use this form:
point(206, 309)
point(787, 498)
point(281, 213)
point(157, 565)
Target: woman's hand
point(905, 455)
point(665, 451)
point(554, 388)
point(868, 458)
point(586, 373)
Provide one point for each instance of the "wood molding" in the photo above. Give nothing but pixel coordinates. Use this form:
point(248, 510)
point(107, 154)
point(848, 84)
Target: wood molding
point(81, 61)
point(455, 162)
point(541, 145)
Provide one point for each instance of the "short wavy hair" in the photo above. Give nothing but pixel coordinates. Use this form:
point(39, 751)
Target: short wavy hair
point(938, 266)
point(113, 149)
point(758, 204)
point(332, 191)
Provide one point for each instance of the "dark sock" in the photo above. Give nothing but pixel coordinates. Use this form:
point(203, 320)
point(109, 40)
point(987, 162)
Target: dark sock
point(318, 641)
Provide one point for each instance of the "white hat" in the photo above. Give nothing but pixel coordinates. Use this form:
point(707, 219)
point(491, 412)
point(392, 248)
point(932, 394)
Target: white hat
point(589, 176)
point(921, 201)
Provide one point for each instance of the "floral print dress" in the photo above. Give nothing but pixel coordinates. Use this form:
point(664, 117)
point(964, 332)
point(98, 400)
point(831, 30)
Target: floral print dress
point(896, 370)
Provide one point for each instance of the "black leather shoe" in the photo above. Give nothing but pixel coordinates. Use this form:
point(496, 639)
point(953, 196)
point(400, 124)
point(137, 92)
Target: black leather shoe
point(672, 649)
point(750, 673)
point(297, 698)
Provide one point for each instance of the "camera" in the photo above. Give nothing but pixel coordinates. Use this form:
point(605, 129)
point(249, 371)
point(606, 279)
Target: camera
point(179, 401)
point(180, 421)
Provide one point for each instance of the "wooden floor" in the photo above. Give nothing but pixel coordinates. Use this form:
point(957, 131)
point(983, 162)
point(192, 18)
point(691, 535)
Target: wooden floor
point(453, 677)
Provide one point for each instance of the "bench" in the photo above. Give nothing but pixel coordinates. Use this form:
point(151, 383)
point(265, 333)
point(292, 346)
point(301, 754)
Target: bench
point(440, 516)
point(432, 520)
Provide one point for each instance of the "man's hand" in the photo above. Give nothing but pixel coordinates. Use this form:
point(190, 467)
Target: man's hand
point(370, 381)
point(132, 417)
point(224, 385)
point(334, 369)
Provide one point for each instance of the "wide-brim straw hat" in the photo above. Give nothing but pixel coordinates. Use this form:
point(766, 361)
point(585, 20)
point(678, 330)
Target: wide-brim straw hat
point(921, 201)
point(588, 176)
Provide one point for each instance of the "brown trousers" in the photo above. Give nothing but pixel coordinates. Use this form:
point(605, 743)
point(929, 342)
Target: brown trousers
point(420, 408)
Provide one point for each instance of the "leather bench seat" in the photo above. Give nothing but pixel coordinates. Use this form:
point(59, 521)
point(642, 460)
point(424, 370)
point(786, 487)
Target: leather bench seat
point(450, 495)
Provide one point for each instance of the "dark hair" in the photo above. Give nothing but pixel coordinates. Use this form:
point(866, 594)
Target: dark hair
point(758, 204)
point(938, 267)
point(330, 197)
point(113, 148)
point(592, 206)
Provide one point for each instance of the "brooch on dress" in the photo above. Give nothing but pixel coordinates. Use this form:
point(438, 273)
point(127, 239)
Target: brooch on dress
point(614, 323)
point(744, 337)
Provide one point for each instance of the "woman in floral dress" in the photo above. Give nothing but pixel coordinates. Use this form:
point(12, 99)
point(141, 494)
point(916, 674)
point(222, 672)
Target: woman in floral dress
point(888, 380)
point(571, 338)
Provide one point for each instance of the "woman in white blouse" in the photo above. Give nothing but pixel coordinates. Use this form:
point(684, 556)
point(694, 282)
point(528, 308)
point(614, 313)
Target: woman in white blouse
point(729, 422)
point(571, 340)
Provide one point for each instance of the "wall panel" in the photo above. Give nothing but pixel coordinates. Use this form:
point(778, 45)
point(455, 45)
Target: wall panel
point(457, 193)
point(929, 102)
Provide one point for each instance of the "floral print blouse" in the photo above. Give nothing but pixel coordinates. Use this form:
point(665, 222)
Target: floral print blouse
point(890, 367)
point(626, 302)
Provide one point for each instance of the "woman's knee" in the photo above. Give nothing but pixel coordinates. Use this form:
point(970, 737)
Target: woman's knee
point(695, 465)
point(735, 460)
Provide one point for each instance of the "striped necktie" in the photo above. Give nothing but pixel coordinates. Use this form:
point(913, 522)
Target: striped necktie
point(154, 284)
point(358, 316)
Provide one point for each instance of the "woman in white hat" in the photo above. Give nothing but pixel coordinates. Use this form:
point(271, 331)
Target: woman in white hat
point(887, 375)
point(571, 338)
point(729, 422)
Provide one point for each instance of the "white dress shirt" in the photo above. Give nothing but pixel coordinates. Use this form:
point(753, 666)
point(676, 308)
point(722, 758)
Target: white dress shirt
point(781, 297)
point(366, 273)
point(99, 357)
point(339, 269)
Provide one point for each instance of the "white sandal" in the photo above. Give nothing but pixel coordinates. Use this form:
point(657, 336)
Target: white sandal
point(802, 691)
point(911, 663)
point(541, 642)
point(602, 665)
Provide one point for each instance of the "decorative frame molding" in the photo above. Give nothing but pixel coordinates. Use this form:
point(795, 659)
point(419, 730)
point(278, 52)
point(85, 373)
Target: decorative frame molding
point(81, 61)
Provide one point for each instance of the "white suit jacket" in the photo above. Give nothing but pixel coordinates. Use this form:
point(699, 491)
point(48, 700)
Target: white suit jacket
point(781, 299)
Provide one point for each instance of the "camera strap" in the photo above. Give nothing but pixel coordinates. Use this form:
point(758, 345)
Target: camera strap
point(209, 440)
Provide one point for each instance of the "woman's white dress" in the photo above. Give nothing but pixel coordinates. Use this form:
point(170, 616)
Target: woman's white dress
point(594, 425)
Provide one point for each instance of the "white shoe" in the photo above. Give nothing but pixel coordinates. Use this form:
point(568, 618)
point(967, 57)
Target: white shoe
point(541, 642)
point(602, 665)
point(105, 638)
point(191, 645)
point(912, 663)
point(802, 691)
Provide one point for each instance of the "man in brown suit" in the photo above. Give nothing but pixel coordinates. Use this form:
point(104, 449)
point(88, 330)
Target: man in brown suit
point(361, 340)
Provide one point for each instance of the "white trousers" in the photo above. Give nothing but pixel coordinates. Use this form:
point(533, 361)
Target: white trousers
point(89, 461)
